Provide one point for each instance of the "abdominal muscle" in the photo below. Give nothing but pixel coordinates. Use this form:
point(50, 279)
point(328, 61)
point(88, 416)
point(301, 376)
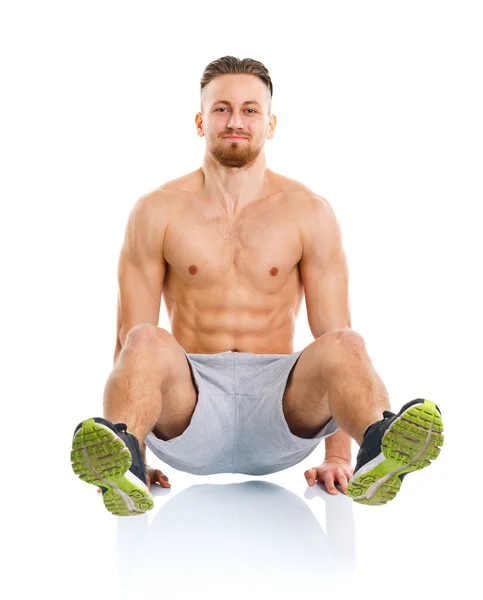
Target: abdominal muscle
point(212, 321)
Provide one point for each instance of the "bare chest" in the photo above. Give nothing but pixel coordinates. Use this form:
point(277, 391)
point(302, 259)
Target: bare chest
point(260, 248)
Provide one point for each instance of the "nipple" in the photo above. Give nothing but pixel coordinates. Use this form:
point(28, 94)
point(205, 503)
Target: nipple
point(193, 269)
point(273, 271)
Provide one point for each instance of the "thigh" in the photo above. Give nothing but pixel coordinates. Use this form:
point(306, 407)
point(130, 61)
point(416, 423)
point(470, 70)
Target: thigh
point(179, 393)
point(306, 398)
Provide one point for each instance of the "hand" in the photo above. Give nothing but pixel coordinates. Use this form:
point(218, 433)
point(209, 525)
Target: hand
point(333, 470)
point(154, 476)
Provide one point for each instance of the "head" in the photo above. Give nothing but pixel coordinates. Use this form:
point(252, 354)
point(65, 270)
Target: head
point(236, 98)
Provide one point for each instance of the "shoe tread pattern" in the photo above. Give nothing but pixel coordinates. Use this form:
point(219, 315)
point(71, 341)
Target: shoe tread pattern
point(402, 446)
point(101, 458)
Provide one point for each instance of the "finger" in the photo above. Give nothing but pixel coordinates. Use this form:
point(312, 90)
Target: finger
point(342, 479)
point(162, 479)
point(329, 483)
point(311, 476)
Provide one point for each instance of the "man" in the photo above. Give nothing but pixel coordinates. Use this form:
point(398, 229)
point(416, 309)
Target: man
point(234, 247)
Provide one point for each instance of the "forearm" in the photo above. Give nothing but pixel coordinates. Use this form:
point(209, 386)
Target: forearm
point(117, 349)
point(339, 444)
point(142, 445)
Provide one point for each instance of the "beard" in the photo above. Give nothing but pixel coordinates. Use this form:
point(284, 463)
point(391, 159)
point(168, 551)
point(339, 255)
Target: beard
point(235, 154)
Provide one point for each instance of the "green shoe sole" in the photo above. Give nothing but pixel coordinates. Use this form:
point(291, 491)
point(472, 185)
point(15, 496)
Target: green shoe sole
point(101, 458)
point(410, 443)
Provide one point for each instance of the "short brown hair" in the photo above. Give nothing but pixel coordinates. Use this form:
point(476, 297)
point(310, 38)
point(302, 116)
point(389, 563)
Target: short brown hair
point(228, 65)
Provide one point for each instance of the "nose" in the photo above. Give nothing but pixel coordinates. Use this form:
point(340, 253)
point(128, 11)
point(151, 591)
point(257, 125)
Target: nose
point(235, 121)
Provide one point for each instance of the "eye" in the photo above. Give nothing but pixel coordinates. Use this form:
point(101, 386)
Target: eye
point(224, 108)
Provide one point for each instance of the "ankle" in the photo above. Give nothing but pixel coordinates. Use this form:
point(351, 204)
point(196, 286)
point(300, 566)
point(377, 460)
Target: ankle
point(377, 416)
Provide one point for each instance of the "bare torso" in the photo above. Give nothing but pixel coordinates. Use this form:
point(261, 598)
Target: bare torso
point(232, 282)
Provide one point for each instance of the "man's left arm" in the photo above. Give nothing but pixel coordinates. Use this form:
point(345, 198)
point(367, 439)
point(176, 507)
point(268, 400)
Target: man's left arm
point(339, 445)
point(325, 276)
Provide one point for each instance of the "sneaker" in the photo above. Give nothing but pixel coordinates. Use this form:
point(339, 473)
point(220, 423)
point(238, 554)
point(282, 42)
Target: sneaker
point(392, 448)
point(109, 457)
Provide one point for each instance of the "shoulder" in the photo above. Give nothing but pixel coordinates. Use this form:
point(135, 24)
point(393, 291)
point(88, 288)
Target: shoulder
point(171, 197)
point(150, 215)
point(305, 200)
point(185, 184)
point(169, 194)
point(319, 229)
point(291, 188)
point(313, 213)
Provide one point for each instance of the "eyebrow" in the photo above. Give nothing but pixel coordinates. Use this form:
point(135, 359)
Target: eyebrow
point(229, 103)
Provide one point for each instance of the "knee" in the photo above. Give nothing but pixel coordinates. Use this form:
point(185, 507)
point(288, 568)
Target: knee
point(351, 341)
point(346, 337)
point(345, 340)
point(349, 336)
point(147, 334)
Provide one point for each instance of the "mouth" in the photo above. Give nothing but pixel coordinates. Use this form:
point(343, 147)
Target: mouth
point(235, 137)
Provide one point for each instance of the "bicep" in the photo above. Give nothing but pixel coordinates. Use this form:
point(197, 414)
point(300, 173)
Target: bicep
point(140, 291)
point(327, 296)
point(324, 271)
point(141, 269)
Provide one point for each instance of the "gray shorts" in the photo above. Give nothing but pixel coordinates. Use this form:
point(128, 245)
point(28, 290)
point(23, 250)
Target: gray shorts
point(238, 425)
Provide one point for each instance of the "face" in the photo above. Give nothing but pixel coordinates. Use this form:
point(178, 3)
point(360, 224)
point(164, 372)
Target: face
point(235, 105)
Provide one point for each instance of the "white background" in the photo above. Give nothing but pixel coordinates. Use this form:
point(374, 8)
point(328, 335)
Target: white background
point(379, 108)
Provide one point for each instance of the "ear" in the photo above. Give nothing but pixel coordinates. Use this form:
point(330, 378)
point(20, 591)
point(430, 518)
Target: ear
point(272, 123)
point(199, 124)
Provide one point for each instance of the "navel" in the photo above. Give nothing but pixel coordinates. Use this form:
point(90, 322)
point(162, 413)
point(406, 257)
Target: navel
point(193, 269)
point(273, 271)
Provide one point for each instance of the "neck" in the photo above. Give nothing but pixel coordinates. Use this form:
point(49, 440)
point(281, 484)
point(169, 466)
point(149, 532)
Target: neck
point(233, 188)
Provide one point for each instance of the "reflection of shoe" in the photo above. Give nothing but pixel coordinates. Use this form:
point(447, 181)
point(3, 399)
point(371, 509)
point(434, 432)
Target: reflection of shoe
point(108, 456)
point(392, 448)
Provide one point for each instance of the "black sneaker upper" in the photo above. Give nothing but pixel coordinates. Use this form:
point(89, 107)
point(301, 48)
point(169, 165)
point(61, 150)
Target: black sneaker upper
point(371, 443)
point(137, 467)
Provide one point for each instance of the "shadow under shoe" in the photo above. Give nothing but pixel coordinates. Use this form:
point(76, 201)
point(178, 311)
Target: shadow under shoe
point(108, 456)
point(393, 447)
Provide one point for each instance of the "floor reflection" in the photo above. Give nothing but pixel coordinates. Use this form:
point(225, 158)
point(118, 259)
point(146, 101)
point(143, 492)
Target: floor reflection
point(210, 536)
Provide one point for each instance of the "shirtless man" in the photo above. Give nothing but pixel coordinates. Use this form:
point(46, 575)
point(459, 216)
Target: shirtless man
point(234, 247)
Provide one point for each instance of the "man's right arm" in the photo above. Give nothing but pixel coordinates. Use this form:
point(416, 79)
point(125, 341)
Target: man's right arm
point(141, 266)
